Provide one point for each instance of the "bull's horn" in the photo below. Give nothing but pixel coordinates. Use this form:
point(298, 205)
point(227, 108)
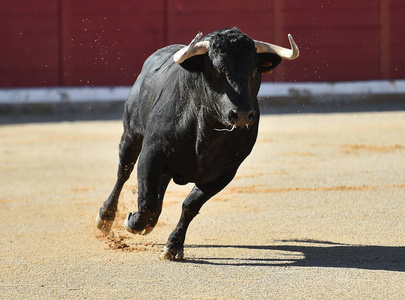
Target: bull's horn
point(194, 48)
point(293, 53)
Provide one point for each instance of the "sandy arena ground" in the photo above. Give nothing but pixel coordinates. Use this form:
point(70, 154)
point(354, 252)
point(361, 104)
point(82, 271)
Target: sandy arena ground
point(316, 212)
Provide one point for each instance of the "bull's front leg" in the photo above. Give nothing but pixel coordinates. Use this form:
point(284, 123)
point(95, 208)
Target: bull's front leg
point(152, 186)
point(201, 193)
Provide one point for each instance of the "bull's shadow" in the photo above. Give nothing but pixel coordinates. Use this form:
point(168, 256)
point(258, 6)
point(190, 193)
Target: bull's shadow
point(314, 253)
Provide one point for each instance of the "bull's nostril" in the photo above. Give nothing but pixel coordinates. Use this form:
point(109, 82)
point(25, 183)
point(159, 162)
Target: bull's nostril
point(251, 116)
point(233, 116)
point(241, 118)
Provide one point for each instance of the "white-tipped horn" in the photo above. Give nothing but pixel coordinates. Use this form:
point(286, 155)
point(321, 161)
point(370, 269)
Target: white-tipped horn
point(194, 48)
point(290, 54)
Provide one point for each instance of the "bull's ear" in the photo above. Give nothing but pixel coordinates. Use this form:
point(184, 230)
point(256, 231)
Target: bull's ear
point(267, 62)
point(194, 63)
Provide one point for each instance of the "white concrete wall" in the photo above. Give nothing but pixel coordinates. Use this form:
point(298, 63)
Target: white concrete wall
point(318, 90)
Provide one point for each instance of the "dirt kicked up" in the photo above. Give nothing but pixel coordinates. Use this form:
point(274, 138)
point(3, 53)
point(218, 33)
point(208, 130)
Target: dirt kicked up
point(317, 211)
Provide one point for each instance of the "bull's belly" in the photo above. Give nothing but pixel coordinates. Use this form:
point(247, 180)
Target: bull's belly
point(188, 160)
point(203, 168)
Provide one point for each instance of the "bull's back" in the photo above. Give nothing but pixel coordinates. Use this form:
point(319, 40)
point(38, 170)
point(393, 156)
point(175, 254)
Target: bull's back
point(158, 72)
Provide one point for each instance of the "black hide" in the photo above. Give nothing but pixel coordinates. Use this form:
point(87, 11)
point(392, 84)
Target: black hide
point(190, 122)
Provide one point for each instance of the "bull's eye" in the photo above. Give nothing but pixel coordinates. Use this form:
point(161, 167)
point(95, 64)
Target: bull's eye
point(219, 73)
point(215, 73)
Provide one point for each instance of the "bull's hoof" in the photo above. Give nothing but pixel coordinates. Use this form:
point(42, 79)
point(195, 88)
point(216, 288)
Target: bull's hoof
point(126, 226)
point(147, 230)
point(134, 224)
point(103, 225)
point(172, 254)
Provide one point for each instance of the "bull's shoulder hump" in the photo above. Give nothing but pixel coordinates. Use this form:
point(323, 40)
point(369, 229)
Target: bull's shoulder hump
point(164, 53)
point(158, 59)
point(158, 73)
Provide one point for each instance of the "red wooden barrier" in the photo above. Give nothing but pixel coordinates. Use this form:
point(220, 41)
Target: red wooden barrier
point(99, 43)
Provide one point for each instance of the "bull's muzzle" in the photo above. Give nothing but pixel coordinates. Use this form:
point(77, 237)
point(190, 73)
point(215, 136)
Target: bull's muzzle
point(241, 118)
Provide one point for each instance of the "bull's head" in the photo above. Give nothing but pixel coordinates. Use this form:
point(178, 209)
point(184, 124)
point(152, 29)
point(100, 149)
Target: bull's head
point(232, 70)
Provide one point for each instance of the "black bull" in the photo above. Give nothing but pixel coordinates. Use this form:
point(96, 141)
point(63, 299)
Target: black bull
point(191, 116)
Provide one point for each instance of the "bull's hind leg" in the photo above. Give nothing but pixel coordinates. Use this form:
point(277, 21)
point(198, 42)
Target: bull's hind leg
point(130, 148)
point(152, 186)
point(200, 194)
